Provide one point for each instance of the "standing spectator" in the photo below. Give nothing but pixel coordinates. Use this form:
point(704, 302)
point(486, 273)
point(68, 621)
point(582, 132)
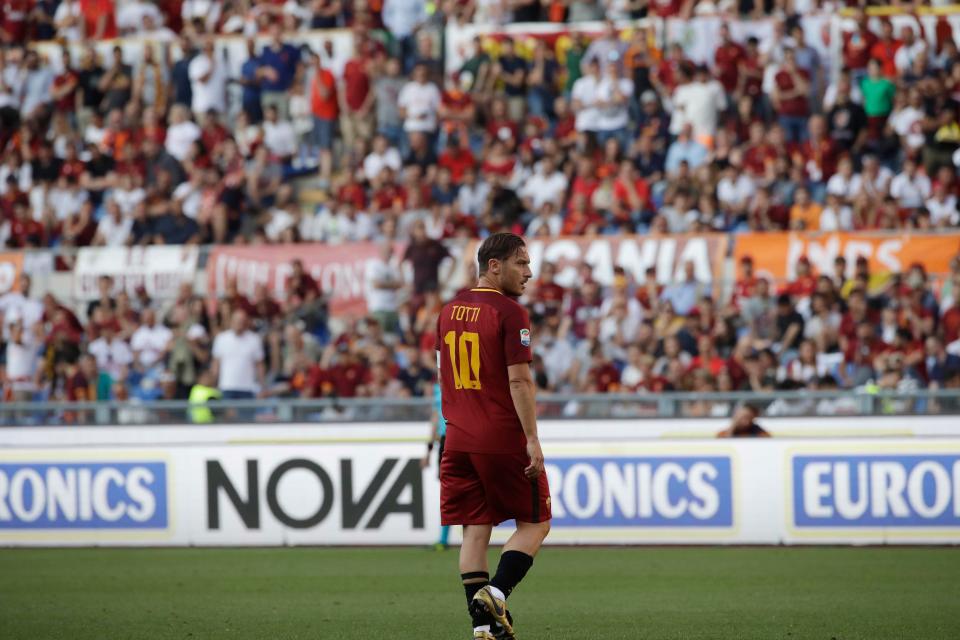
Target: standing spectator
point(790, 97)
point(383, 284)
point(419, 101)
point(402, 18)
point(511, 70)
point(252, 77)
point(208, 82)
point(280, 61)
point(111, 351)
point(613, 101)
point(425, 256)
point(878, 93)
point(150, 343)
point(37, 86)
point(584, 99)
point(325, 109)
point(387, 89)
point(21, 363)
point(238, 360)
point(357, 96)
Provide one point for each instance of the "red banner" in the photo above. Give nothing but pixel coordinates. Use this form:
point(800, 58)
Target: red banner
point(776, 254)
point(340, 270)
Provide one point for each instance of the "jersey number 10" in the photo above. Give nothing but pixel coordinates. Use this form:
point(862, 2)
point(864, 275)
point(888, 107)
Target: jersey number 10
point(466, 367)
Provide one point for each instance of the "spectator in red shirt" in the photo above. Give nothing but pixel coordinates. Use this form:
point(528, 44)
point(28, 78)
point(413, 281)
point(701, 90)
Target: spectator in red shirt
point(805, 282)
point(885, 50)
point(65, 83)
point(325, 108)
point(630, 190)
point(790, 97)
point(747, 282)
point(857, 45)
point(357, 117)
point(728, 58)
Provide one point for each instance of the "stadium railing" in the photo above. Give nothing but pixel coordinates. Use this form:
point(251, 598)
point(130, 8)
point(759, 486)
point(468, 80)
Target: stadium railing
point(861, 402)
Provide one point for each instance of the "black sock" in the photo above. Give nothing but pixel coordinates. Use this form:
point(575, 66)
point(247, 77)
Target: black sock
point(513, 566)
point(473, 582)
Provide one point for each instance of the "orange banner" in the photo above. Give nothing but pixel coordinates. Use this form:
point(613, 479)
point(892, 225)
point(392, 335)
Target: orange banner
point(11, 264)
point(776, 254)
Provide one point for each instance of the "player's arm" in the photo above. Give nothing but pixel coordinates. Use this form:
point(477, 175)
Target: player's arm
point(523, 391)
point(434, 438)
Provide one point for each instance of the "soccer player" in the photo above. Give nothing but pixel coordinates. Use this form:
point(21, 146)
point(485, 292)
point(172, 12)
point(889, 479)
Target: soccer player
point(492, 467)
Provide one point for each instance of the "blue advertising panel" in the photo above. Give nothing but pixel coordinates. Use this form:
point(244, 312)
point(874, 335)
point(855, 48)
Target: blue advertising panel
point(83, 495)
point(668, 491)
point(870, 491)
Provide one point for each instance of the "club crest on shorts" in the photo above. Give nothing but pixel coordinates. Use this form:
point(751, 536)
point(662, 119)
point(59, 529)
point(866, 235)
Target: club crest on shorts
point(525, 337)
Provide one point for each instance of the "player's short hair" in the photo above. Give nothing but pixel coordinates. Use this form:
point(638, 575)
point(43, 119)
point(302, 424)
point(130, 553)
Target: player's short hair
point(498, 246)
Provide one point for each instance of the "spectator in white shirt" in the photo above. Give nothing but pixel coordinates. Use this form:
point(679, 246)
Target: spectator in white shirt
point(907, 119)
point(22, 360)
point(238, 360)
point(547, 184)
point(836, 216)
point(114, 228)
point(547, 223)
point(943, 207)
point(383, 282)
point(208, 82)
point(382, 155)
point(111, 352)
point(844, 183)
point(419, 101)
point(910, 49)
point(698, 103)
point(65, 198)
point(278, 135)
point(472, 196)
point(18, 305)
point(182, 133)
point(584, 98)
point(735, 190)
point(910, 187)
point(150, 342)
point(613, 105)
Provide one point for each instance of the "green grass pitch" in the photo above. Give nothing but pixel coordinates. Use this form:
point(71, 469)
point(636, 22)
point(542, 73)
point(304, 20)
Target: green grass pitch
point(571, 593)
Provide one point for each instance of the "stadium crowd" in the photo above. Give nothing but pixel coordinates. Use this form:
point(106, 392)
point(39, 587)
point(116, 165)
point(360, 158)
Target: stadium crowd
point(616, 133)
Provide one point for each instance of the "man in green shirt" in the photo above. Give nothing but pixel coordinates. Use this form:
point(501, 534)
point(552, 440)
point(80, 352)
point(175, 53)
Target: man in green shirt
point(878, 93)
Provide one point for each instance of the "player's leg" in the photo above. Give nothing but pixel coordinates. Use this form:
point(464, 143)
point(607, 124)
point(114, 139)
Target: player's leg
point(475, 572)
point(513, 496)
point(462, 501)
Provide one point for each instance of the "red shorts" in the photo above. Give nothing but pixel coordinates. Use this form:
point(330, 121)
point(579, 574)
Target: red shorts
point(489, 488)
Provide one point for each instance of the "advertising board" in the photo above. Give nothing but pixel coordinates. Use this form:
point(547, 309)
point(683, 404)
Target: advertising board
point(842, 491)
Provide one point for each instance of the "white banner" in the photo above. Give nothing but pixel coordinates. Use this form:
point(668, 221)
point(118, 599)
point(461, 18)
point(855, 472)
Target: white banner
point(160, 269)
point(841, 491)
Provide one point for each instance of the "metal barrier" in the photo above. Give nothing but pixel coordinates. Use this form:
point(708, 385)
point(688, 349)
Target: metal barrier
point(550, 406)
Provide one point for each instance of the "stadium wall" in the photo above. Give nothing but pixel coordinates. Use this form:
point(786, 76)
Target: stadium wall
point(259, 487)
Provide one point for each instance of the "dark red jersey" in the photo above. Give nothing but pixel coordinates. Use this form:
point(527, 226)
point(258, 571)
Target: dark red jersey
point(480, 333)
